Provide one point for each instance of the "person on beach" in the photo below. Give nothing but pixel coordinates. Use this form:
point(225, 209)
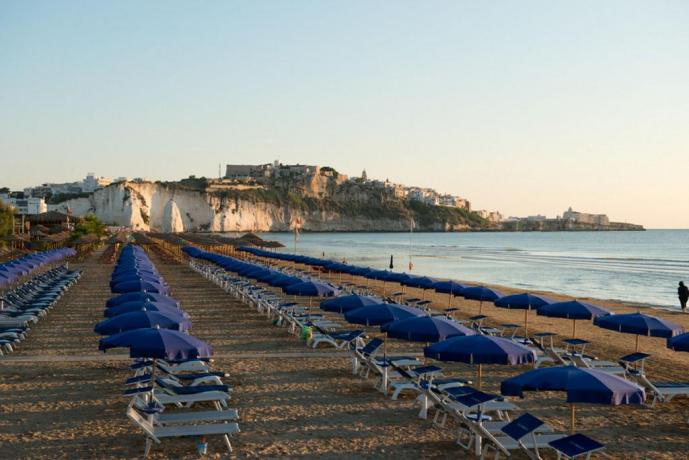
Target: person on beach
point(683, 294)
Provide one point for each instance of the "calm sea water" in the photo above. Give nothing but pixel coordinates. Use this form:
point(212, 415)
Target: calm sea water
point(631, 266)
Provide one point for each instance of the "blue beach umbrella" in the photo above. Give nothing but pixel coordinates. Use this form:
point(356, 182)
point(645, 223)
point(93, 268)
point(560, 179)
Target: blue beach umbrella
point(582, 386)
point(639, 324)
point(380, 275)
point(524, 302)
point(267, 275)
point(451, 288)
point(397, 277)
point(376, 315)
point(133, 296)
point(142, 306)
point(346, 303)
point(479, 350)
point(142, 319)
point(425, 329)
point(129, 278)
point(311, 289)
point(135, 286)
point(158, 344)
point(679, 342)
point(482, 294)
point(280, 280)
point(574, 310)
point(420, 282)
point(360, 271)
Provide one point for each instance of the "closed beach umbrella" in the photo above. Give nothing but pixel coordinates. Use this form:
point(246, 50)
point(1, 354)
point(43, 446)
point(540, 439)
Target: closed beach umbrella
point(574, 310)
point(639, 324)
point(425, 329)
point(142, 319)
point(679, 342)
point(482, 294)
point(376, 315)
point(479, 350)
point(524, 302)
point(582, 386)
point(343, 304)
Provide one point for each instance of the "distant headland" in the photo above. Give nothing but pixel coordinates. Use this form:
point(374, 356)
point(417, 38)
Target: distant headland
point(278, 197)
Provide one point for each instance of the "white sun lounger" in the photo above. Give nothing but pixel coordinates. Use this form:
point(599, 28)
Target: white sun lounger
point(662, 391)
point(154, 431)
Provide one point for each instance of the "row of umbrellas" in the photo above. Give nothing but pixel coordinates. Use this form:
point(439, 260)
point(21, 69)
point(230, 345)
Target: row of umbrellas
point(638, 323)
point(148, 322)
point(14, 269)
point(581, 385)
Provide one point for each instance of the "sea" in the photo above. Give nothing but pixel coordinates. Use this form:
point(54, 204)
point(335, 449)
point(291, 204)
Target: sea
point(636, 267)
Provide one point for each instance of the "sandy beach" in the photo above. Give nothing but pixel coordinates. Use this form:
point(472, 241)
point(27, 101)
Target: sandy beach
point(61, 398)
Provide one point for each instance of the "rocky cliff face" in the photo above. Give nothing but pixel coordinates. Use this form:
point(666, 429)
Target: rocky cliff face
point(164, 208)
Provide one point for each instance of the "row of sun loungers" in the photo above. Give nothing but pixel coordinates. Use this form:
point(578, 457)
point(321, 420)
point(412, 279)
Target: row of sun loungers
point(171, 398)
point(190, 400)
point(484, 422)
point(26, 304)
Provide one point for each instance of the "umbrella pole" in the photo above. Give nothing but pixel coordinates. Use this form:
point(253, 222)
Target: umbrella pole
point(383, 288)
point(480, 307)
point(574, 328)
point(153, 380)
point(480, 377)
point(526, 323)
point(572, 415)
point(449, 300)
point(637, 342)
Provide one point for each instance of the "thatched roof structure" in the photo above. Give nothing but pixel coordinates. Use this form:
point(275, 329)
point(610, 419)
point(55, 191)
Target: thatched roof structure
point(51, 218)
point(122, 238)
point(89, 238)
point(59, 237)
point(140, 238)
point(15, 238)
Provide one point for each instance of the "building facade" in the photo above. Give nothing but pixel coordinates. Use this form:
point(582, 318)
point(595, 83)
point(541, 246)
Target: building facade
point(25, 205)
point(585, 218)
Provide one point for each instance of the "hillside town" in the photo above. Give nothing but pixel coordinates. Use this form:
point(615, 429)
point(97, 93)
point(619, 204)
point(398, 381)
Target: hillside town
point(310, 180)
point(267, 173)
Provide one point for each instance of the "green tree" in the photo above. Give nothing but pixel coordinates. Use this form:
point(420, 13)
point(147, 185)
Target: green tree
point(89, 225)
point(5, 219)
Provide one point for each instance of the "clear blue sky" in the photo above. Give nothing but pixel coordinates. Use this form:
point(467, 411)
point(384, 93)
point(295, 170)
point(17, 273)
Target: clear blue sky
point(524, 107)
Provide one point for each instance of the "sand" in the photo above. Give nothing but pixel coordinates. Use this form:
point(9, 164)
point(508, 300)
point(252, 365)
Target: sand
point(61, 398)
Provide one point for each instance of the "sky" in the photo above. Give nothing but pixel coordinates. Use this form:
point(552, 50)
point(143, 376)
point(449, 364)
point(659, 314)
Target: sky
point(526, 107)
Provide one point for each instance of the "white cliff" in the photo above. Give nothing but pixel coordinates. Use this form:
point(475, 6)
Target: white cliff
point(159, 207)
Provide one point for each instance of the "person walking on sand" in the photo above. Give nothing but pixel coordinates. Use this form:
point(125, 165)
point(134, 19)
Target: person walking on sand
point(683, 294)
